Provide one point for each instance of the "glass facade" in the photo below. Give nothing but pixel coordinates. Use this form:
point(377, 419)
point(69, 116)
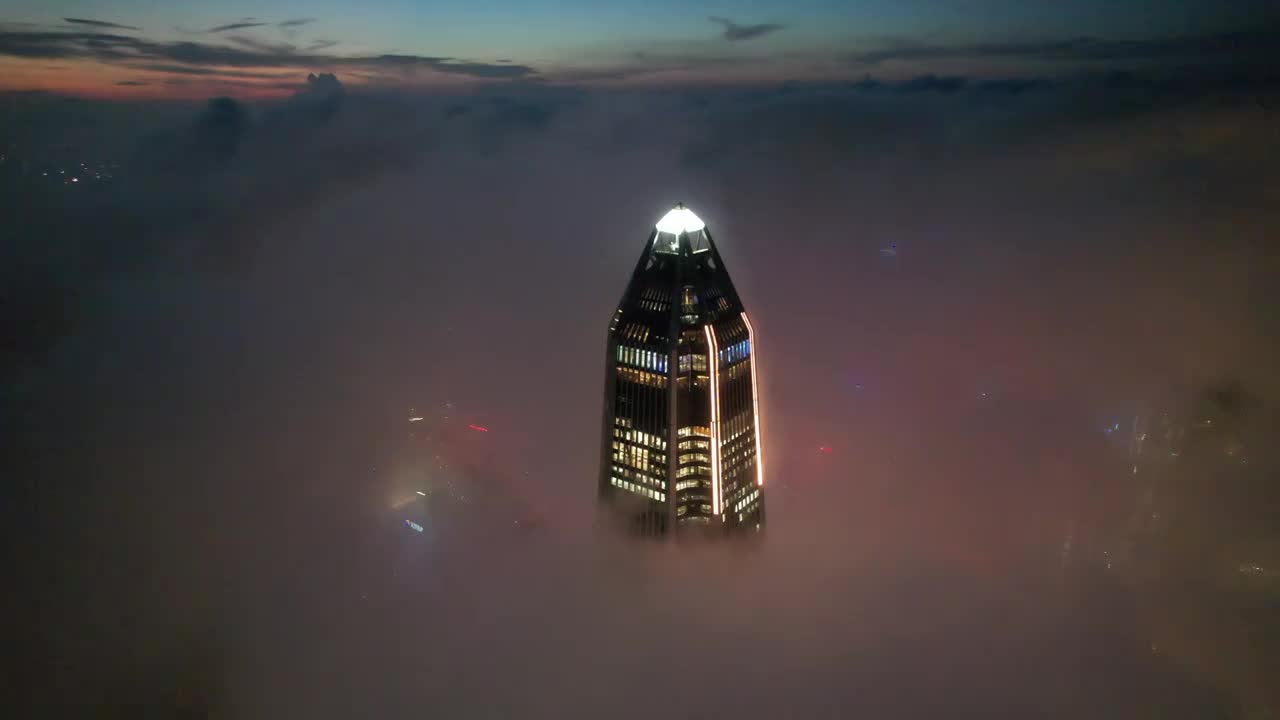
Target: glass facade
point(682, 436)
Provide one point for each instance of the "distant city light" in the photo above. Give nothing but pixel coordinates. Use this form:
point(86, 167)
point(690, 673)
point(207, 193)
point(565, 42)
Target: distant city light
point(479, 428)
point(422, 493)
point(825, 449)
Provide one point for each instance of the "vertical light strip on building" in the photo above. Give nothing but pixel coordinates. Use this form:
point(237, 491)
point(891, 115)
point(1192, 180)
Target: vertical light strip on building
point(713, 361)
point(755, 401)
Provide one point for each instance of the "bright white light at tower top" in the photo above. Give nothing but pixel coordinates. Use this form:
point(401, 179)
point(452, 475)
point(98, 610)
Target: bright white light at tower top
point(680, 219)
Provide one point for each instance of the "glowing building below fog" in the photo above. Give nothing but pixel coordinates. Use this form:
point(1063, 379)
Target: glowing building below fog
point(681, 444)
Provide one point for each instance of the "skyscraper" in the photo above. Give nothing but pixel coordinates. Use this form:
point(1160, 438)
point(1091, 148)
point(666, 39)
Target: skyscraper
point(681, 446)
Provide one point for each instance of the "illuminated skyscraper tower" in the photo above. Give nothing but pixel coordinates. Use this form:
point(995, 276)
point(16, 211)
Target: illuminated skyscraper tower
point(682, 445)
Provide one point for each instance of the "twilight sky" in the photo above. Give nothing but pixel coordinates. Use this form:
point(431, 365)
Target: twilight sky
point(216, 315)
point(138, 48)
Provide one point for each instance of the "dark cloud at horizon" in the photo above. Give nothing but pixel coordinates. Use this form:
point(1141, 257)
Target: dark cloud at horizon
point(219, 352)
point(242, 25)
point(99, 23)
point(262, 46)
point(1252, 44)
point(137, 53)
point(734, 31)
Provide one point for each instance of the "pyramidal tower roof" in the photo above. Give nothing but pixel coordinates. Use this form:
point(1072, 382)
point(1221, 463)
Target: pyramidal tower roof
point(679, 219)
point(680, 226)
point(680, 254)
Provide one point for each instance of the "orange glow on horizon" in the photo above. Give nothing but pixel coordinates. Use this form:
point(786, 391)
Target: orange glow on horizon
point(755, 402)
point(103, 81)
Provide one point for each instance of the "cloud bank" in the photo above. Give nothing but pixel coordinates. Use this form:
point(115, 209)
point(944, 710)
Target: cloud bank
point(211, 361)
